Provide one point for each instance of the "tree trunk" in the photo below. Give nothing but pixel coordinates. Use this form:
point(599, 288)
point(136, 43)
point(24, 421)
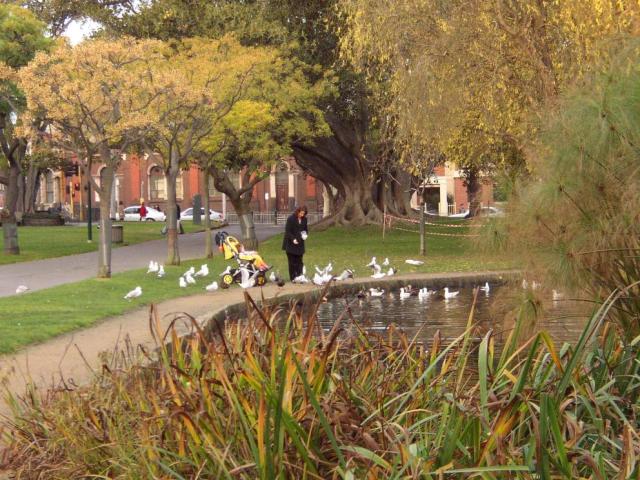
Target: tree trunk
point(328, 199)
point(247, 227)
point(472, 182)
point(208, 244)
point(107, 177)
point(9, 224)
point(339, 161)
point(31, 186)
point(173, 253)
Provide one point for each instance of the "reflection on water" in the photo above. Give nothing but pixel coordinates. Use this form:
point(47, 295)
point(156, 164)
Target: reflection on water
point(564, 320)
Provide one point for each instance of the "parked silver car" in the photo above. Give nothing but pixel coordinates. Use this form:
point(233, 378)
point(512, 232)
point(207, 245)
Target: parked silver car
point(188, 214)
point(132, 214)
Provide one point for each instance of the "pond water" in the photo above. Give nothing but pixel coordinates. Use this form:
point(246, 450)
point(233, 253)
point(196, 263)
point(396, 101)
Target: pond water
point(563, 319)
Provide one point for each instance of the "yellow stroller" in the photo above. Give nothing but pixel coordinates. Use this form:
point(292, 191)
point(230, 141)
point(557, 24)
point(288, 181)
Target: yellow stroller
point(251, 263)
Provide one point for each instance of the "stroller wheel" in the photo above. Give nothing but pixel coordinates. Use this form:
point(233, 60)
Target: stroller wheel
point(261, 279)
point(227, 280)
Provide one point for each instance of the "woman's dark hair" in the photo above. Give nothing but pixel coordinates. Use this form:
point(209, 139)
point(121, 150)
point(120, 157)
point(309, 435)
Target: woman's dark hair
point(302, 208)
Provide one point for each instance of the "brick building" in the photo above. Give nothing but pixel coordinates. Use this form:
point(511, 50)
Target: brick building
point(141, 177)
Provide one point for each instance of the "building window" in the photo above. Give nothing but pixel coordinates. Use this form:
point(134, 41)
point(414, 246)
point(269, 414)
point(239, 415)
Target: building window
point(157, 184)
point(179, 187)
point(49, 187)
point(212, 189)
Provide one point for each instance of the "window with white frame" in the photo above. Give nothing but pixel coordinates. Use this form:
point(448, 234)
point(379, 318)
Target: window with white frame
point(157, 184)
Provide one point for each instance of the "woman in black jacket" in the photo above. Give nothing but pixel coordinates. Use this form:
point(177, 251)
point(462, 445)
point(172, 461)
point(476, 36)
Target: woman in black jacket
point(295, 233)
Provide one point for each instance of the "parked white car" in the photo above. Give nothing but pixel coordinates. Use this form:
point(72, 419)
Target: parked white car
point(482, 212)
point(132, 214)
point(188, 214)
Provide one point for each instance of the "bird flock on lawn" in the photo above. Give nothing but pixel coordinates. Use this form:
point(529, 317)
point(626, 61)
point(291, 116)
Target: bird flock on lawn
point(321, 276)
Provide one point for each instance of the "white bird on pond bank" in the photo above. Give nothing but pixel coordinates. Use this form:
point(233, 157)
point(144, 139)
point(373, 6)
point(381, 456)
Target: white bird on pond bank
point(414, 262)
point(190, 272)
point(272, 277)
point(212, 287)
point(386, 262)
point(377, 271)
point(448, 294)
point(486, 288)
point(182, 282)
point(21, 289)
point(161, 271)
point(344, 275)
point(135, 293)
point(392, 271)
point(190, 280)
point(203, 272)
point(374, 292)
point(153, 267)
point(372, 263)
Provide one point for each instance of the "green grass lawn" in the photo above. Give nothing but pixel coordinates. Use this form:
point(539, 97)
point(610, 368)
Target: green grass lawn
point(37, 243)
point(36, 316)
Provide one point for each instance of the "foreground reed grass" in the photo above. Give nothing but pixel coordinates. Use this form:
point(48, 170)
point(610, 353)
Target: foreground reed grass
point(275, 397)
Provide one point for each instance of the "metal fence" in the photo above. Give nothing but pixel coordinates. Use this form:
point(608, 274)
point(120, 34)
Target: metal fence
point(273, 218)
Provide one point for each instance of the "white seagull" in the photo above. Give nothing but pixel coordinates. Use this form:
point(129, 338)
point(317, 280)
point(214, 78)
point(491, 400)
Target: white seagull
point(153, 267)
point(344, 275)
point(486, 288)
point(227, 270)
point(246, 279)
point(21, 289)
point(182, 282)
point(190, 272)
point(377, 271)
point(203, 272)
point(135, 293)
point(161, 271)
point(190, 280)
point(448, 294)
point(404, 294)
point(212, 287)
point(372, 263)
point(414, 262)
point(273, 277)
point(392, 271)
point(386, 262)
point(374, 292)
point(424, 293)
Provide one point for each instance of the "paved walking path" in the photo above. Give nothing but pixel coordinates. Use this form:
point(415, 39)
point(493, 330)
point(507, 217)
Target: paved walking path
point(52, 272)
point(74, 355)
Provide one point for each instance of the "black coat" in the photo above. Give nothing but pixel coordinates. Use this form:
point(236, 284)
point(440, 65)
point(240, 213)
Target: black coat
point(292, 231)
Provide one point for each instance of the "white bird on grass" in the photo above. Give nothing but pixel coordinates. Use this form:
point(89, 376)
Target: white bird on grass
point(377, 271)
point(212, 287)
point(273, 277)
point(153, 267)
point(161, 271)
point(486, 288)
point(344, 275)
point(404, 293)
point(246, 279)
point(301, 279)
point(190, 280)
point(414, 262)
point(372, 263)
point(392, 271)
point(190, 272)
point(448, 294)
point(386, 262)
point(182, 282)
point(203, 272)
point(227, 270)
point(21, 289)
point(374, 292)
point(135, 293)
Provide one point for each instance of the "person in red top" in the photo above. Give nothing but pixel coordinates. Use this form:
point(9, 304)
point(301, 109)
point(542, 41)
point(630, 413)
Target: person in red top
point(143, 212)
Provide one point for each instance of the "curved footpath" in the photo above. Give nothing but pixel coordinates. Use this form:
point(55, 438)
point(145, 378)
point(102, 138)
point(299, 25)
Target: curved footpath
point(75, 355)
point(41, 274)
